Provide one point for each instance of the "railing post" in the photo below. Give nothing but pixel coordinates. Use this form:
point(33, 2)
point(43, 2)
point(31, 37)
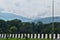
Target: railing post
point(34, 35)
point(38, 35)
point(28, 35)
point(46, 36)
point(0, 35)
point(58, 36)
point(21, 35)
point(12, 35)
point(31, 35)
point(18, 35)
point(54, 36)
point(42, 36)
point(50, 36)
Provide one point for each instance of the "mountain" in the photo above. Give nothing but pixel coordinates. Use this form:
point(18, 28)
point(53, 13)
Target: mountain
point(47, 19)
point(10, 16)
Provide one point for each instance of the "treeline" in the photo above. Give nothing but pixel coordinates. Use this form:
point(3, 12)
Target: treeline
point(17, 26)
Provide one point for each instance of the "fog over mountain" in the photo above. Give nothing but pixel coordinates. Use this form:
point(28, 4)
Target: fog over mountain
point(10, 16)
point(30, 8)
point(47, 19)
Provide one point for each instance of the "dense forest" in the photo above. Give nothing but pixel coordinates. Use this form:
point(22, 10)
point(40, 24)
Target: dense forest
point(17, 26)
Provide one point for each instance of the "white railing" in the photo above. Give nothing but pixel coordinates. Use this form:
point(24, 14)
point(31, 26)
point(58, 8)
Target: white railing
point(42, 36)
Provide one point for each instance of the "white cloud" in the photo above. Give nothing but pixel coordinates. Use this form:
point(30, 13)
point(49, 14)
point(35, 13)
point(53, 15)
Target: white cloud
point(28, 8)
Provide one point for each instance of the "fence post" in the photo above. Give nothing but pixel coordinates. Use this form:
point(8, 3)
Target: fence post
point(25, 35)
point(15, 35)
point(38, 35)
point(31, 35)
point(46, 36)
point(28, 35)
point(58, 36)
point(50, 36)
point(12, 35)
point(4, 35)
point(54, 36)
point(42, 36)
point(21, 35)
point(18, 35)
point(35, 35)
point(0, 35)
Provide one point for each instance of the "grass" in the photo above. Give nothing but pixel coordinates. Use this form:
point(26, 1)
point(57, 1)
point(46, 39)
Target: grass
point(23, 39)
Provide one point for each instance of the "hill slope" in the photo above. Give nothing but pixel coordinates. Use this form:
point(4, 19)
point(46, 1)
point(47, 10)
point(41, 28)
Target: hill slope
point(47, 19)
point(10, 16)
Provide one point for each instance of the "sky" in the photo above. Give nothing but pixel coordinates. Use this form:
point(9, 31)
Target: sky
point(30, 8)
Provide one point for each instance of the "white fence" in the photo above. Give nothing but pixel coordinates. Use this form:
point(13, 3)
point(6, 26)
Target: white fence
point(46, 36)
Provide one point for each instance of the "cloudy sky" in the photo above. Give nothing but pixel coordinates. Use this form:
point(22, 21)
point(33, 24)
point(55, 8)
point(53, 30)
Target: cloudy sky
point(30, 8)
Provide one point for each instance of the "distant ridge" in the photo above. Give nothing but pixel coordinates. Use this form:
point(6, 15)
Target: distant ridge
point(47, 19)
point(10, 16)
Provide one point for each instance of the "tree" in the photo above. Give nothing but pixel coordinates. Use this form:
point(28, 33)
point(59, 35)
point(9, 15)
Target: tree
point(13, 29)
point(39, 27)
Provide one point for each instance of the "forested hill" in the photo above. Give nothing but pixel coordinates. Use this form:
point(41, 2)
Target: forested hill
point(17, 26)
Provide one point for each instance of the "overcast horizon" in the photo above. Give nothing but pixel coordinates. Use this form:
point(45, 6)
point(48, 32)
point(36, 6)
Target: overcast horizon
point(30, 8)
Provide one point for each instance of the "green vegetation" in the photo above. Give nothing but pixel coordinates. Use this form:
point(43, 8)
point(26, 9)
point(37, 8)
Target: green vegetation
point(17, 26)
point(23, 39)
